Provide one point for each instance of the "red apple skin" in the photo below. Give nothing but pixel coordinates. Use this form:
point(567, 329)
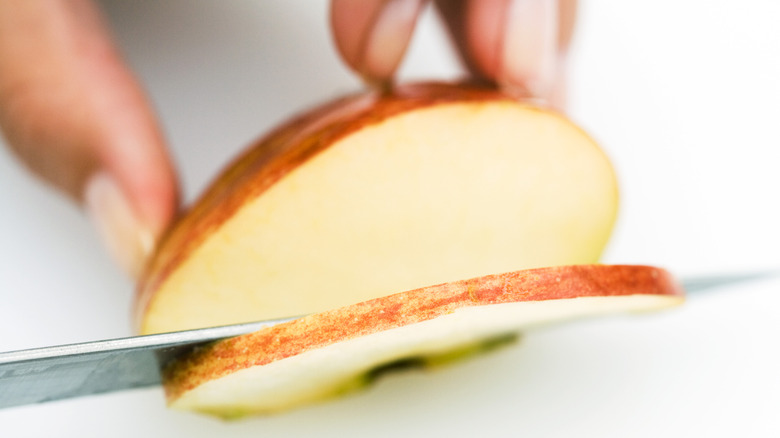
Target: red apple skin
point(401, 309)
point(281, 151)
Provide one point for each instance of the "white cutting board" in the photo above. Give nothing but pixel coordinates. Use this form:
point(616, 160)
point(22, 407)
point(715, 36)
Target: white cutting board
point(685, 98)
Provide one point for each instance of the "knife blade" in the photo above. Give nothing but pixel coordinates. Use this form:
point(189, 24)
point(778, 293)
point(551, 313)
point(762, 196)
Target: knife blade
point(54, 373)
point(65, 371)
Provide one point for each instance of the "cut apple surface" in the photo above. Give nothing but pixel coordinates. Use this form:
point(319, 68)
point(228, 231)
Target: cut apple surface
point(381, 193)
point(330, 353)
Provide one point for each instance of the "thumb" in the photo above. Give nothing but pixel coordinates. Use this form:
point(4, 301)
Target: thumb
point(520, 45)
point(77, 118)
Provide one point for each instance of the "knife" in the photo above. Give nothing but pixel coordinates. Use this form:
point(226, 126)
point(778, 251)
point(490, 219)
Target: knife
point(65, 371)
point(54, 373)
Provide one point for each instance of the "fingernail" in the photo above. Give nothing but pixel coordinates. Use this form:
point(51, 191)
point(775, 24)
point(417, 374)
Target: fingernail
point(559, 91)
point(122, 232)
point(530, 49)
point(388, 38)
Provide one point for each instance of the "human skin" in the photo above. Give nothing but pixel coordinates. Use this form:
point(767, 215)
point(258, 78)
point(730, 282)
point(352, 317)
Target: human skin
point(77, 117)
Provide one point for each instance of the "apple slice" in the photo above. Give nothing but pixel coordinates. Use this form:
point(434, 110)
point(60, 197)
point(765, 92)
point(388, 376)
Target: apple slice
point(330, 353)
point(380, 193)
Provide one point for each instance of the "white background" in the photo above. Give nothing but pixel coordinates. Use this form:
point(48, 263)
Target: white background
point(685, 98)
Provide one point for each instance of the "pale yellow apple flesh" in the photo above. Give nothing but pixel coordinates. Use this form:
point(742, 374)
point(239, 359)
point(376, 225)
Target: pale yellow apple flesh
point(335, 352)
point(444, 191)
point(336, 212)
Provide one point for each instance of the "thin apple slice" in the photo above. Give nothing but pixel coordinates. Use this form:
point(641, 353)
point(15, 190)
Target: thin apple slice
point(381, 193)
point(330, 353)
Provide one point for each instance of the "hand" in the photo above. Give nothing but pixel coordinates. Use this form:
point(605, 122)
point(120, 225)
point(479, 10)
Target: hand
point(518, 44)
point(76, 115)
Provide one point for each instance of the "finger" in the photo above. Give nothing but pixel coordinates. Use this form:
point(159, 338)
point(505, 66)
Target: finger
point(519, 44)
point(372, 35)
point(74, 115)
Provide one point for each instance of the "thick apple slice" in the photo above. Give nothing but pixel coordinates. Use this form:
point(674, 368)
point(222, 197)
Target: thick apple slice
point(330, 353)
point(376, 194)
